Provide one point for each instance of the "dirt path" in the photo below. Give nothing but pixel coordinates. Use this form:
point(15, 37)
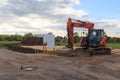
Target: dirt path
point(52, 67)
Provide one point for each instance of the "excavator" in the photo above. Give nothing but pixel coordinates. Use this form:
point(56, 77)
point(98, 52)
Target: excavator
point(93, 43)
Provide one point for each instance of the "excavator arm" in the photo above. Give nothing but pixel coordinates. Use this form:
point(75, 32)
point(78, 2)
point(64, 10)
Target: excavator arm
point(78, 24)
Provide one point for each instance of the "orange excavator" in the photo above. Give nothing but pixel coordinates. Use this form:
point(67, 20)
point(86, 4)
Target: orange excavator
point(94, 42)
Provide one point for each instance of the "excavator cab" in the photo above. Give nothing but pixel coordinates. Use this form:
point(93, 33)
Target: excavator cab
point(94, 38)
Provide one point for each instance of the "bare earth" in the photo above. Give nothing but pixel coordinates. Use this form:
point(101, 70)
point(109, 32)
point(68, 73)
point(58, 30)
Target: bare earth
point(45, 48)
point(52, 67)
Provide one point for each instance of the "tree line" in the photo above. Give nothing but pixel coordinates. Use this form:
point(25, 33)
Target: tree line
point(77, 39)
point(15, 37)
point(60, 39)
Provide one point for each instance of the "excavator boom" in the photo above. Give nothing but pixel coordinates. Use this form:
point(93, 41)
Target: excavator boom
point(79, 24)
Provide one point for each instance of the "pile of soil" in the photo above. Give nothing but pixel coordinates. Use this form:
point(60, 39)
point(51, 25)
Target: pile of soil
point(33, 41)
point(18, 48)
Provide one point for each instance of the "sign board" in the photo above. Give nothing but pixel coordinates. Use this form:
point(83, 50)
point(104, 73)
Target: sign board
point(50, 40)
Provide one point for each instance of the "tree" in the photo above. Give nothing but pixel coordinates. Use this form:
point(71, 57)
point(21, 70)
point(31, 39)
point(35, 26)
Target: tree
point(50, 33)
point(75, 34)
point(65, 39)
point(118, 40)
point(58, 38)
point(3, 37)
point(28, 35)
point(109, 39)
point(76, 37)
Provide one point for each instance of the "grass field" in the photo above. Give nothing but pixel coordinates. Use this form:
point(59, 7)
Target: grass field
point(9, 42)
point(111, 45)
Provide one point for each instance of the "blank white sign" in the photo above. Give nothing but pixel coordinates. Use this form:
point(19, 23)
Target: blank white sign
point(50, 40)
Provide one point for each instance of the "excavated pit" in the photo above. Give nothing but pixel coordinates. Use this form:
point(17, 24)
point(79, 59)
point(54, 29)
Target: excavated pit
point(18, 48)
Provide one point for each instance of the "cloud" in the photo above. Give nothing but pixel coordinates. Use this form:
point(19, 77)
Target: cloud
point(3, 2)
point(110, 23)
point(43, 16)
point(111, 26)
point(37, 15)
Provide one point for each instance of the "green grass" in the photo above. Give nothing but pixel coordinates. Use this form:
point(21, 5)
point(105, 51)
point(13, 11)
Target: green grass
point(111, 45)
point(9, 42)
point(61, 44)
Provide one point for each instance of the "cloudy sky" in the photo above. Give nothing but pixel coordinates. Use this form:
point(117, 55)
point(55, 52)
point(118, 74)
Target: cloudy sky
point(43, 16)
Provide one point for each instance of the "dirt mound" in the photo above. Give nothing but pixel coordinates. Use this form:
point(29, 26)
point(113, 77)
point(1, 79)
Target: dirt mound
point(33, 41)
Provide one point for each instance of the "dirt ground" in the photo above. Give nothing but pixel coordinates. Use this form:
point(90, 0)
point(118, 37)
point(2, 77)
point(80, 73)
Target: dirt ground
point(52, 67)
point(44, 48)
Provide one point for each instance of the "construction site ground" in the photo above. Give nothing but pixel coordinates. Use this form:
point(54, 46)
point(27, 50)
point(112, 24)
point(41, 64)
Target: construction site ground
point(53, 67)
point(44, 48)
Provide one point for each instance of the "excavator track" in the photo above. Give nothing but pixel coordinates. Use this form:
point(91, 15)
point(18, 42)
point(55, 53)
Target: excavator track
point(93, 51)
point(77, 52)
